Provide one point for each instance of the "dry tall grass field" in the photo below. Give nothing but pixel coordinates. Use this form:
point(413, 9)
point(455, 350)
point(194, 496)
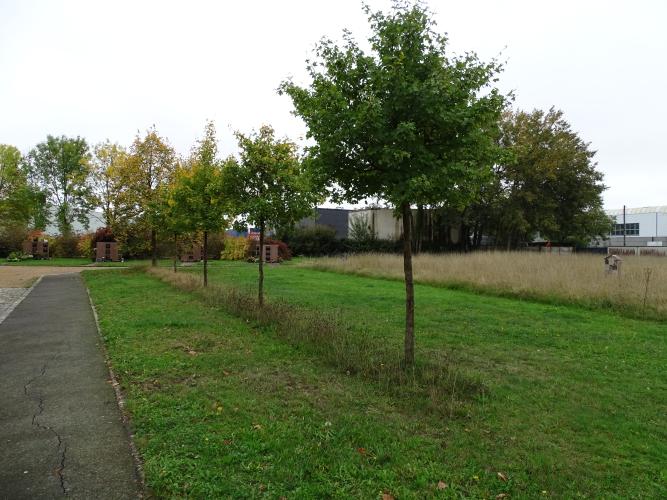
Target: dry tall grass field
point(640, 289)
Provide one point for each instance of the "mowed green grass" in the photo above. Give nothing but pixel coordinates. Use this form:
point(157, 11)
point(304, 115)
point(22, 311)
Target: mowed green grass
point(80, 261)
point(55, 261)
point(575, 400)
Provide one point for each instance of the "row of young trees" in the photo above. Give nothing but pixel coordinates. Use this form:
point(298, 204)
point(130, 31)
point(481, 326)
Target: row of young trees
point(405, 122)
point(147, 192)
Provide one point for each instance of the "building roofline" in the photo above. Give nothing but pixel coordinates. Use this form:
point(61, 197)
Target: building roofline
point(661, 209)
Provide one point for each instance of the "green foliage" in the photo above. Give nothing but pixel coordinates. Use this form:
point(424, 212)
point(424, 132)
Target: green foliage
point(20, 203)
point(407, 122)
point(60, 168)
point(107, 164)
point(361, 229)
point(269, 185)
point(196, 198)
point(85, 247)
point(11, 238)
point(15, 256)
point(145, 173)
point(312, 240)
point(216, 244)
point(547, 184)
point(64, 245)
point(236, 248)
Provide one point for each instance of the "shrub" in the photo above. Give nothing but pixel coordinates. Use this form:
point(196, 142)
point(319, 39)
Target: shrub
point(361, 229)
point(216, 244)
point(14, 257)
point(11, 238)
point(236, 248)
point(85, 246)
point(313, 240)
point(64, 245)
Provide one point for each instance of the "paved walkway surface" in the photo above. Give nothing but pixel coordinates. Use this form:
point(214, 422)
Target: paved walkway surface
point(60, 427)
point(9, 297)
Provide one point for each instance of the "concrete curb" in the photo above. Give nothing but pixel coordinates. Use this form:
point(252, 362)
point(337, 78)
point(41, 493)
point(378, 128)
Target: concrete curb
point(125, 416)
point(4, 315)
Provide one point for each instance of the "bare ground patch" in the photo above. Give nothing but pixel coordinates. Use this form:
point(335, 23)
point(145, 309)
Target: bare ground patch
point(23, 277)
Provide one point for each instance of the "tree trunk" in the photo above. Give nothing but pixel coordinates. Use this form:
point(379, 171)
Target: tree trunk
point(260, 296)
point(205, 258)
point(419, 236)
point(409, 287)
point(175, 250)
point(153, 247)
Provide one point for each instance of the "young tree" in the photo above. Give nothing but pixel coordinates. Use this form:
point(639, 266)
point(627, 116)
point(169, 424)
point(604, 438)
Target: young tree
point(268, 186)
point(197, 200)
point(407, 122)
point(148, 168)
point(108, 160)
point(60, 168)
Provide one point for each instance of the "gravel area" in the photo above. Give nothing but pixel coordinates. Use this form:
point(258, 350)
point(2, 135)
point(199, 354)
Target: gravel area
point(23, 277)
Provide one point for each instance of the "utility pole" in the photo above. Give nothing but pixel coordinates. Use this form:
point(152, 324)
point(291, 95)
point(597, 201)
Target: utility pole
point(625, 230)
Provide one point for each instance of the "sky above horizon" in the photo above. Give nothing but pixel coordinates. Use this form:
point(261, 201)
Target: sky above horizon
point(108, 70)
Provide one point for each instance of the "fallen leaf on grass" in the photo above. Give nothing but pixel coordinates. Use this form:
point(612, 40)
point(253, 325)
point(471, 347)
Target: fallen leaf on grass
point(362, 451)
point(387, 496)
point(442, 485)
point(500, 496)
point(257, 426)
point(502, 477)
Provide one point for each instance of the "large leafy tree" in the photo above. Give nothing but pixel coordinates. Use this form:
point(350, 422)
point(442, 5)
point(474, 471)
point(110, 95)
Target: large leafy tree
point(60, 168)
point(197, 201)
point(406, 122)
point(148, 168)
point(547, 184)
point(21, 205)
point(269, 187)
point(15, 195)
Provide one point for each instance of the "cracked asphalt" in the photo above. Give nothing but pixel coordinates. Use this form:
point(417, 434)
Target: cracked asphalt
point(61, 432)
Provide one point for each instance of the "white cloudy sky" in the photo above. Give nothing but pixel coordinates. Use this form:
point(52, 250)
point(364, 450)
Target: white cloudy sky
point(108, 69)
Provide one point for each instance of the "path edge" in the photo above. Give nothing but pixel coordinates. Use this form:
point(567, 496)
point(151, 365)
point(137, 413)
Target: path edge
point(120, 400)
point(25, 294)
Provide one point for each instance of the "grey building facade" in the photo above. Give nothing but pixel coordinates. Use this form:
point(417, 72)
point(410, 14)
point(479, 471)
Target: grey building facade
point(336, 218)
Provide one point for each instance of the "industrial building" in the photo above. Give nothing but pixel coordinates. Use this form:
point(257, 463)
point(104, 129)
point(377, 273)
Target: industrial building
point(638, 227)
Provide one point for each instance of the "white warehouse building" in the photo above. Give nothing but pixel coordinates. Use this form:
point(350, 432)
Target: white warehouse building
point(645, 226)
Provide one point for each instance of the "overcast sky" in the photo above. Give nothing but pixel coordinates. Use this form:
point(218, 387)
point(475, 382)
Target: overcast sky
point(109, 69)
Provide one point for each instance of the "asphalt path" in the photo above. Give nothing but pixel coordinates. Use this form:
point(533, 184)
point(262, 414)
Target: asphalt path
point(61, 432)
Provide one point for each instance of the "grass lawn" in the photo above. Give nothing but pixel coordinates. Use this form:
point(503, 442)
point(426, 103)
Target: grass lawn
point(575, 400)
point(55, 261)
point(79, 261)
